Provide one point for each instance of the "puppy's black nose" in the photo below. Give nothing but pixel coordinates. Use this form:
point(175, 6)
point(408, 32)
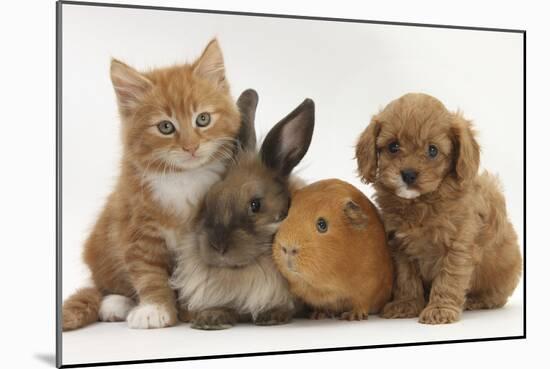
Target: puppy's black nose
point(409, 176)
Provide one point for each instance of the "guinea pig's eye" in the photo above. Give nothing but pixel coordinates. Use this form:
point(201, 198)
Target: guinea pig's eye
point(432, 151)
point(322, 225)
point(393, 147)
point(203, 119)
point(166, 127)
point(255, 205)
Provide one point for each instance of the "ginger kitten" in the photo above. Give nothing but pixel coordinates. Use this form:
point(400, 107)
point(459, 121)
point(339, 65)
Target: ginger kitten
point(178, 129)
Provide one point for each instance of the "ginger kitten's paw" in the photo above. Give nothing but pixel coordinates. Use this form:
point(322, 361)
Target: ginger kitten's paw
point(145, 316)
point(72, 319)
point(274, 317)
point(115, 308)
point(214, 319)
point(354, 315)
point(401, 309)
point(439, 315)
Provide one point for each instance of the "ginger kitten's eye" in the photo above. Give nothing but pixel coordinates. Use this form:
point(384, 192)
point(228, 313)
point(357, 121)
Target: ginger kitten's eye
point(432, 151)
point(393, 147)
point(166, 127)
point(203, 119)
point(322, 225)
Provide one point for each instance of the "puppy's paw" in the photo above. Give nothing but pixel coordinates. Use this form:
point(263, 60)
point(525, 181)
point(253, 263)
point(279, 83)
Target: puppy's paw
point(354, 315)
point(146, 316)
point(274, 317)
point(477, 303)
point(115, 308)
point(401, 309)
point(434, 314)
point(214, 319)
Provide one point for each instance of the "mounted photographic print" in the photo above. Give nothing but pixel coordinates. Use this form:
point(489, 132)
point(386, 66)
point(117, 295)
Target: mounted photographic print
point(235, 184)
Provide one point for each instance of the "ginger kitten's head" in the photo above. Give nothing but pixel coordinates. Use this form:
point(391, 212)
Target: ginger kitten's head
point(179, 117)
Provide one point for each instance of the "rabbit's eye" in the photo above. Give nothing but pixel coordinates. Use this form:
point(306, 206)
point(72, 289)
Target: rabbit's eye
point(255, 205)
point(322, 225)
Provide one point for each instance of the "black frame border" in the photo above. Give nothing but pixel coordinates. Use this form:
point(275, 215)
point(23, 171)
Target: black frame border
point(58, 117)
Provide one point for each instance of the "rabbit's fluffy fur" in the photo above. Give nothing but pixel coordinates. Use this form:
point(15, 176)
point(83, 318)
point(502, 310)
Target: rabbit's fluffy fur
point(224, 270)
point(250, 289)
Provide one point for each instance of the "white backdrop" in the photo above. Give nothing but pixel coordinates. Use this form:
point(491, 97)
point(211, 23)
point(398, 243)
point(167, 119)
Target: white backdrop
point(350, 70)
point(28, 188)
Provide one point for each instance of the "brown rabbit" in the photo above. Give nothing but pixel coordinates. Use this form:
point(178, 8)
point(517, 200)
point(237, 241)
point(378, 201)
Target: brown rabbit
point(332, 250)
point(225, 271)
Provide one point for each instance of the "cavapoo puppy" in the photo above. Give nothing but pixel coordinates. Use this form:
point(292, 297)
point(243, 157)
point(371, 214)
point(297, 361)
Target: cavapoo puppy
point(452, 243)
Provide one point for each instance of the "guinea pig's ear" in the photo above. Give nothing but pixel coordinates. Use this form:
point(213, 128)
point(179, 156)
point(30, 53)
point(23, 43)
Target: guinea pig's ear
point(247, 103)
point(355, 215)
point(366, 152)
point(288, 141)
point(466, 149)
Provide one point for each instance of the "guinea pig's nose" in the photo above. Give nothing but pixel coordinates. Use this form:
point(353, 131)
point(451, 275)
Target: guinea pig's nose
point(290, 250)
point(409, 176)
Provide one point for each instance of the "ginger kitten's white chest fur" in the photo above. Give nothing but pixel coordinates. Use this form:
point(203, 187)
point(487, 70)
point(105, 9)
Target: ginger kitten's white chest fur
point(181, 192)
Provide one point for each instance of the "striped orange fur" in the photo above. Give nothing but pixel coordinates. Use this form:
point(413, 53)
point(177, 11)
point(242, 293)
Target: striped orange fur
point(162, 179)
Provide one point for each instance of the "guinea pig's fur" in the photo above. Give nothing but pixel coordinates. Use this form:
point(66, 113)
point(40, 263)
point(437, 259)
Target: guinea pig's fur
point(347, 269)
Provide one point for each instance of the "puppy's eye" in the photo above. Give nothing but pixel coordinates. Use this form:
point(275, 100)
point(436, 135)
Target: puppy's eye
point(203, 119)
point(393, 147)
point(255, 205)
point(166, 127)
point(322, 225)
point(432, 151)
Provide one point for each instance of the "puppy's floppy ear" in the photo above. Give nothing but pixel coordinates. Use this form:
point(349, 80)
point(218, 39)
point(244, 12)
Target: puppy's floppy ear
point(355, 215)
point(466, 149)
point(366, 152)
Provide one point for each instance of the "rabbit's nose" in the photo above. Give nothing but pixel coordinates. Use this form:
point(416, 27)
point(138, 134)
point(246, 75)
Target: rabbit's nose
point(220, 247)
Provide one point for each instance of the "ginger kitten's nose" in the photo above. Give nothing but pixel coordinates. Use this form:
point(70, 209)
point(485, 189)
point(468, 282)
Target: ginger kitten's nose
point(192, 149)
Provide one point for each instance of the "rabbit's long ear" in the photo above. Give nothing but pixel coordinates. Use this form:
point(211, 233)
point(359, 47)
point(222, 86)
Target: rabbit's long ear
point(288, 141)
point(247, 103)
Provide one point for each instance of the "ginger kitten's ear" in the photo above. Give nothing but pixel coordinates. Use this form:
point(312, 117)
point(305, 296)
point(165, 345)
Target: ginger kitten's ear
point(366, 152)
point(210, 65)
point(129, 84)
